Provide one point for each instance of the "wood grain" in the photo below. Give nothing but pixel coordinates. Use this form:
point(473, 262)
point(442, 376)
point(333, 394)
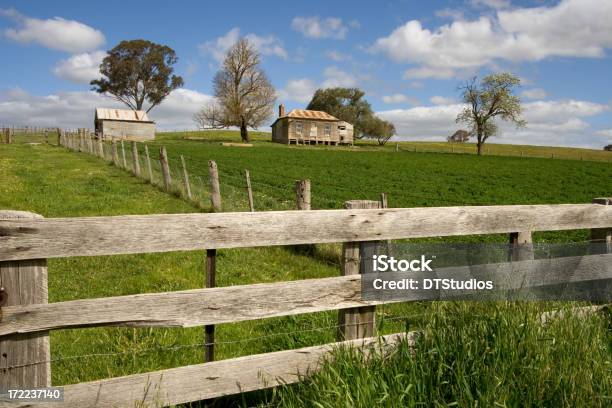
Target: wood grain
point(211, 306)
point(216, 379)
point(358, 322)
point(24, 283)
point(215, 190)
point(88, 236)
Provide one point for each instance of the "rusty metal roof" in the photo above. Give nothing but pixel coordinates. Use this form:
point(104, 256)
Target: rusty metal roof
point(122, 114)
point(310, 114)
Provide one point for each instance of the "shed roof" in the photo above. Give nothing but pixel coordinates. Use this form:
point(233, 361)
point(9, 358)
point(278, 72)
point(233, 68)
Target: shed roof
point(310, 114)
point(122, 114)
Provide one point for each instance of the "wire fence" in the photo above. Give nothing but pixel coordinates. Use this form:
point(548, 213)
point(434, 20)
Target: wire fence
point(277, 195)
point(222, 342)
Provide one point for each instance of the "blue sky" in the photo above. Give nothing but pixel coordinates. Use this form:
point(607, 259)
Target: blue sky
point(408, 56)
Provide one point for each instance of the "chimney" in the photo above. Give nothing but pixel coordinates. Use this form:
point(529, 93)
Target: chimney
point(281, 110)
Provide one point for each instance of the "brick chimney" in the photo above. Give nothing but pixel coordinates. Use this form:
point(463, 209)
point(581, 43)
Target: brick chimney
point(281, 110)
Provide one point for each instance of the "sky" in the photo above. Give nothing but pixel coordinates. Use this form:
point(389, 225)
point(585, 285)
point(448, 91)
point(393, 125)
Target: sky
point(410, 57)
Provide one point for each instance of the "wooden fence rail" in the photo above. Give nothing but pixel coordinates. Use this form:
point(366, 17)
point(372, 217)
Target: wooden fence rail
point(210, 306)
point(28, 241)
point(88, 236)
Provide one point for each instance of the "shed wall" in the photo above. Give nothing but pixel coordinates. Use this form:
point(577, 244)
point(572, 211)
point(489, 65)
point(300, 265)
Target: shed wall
point(127, 130)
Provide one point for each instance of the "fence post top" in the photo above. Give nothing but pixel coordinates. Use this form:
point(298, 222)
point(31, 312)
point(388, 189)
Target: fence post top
point(13, 215)
point(603, 200)
point(361, 204)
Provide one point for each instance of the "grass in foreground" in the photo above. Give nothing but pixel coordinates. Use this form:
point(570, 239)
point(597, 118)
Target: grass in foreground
point(54, 182)
point(490, 355)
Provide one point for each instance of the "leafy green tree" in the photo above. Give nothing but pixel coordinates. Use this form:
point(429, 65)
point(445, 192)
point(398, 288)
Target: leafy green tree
point(137, 71)
point(377, 128)
point(490, 99)
point(348, 104)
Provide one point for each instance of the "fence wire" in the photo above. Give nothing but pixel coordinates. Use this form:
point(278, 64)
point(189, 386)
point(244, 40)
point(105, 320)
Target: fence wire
point(204, 344)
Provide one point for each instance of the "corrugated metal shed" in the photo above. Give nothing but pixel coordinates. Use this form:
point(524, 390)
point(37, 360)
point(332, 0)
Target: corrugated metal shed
point(310, 114)
point(122, 114)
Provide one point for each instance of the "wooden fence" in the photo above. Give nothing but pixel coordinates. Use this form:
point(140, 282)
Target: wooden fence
point(27, 240)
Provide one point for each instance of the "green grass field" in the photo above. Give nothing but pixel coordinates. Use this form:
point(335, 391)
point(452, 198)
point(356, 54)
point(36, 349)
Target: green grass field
point(472, 354)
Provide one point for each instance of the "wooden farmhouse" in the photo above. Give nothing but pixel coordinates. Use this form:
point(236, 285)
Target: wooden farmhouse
point(310, 127)
point(123, 124)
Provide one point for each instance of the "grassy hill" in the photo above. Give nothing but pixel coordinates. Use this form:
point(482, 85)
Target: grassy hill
point(472, 353)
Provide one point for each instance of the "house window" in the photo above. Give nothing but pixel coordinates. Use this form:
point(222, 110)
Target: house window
point(313, 129)
point(327, 130)
point(298, 128)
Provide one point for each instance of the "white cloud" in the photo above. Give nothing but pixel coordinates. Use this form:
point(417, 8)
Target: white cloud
point(548, 123)
point(442, 100)
point(571, 28)
point(450, 13)
point(191, 68)
point(337, 56)
point(429, 72)
point(219, 46)
point(76, 109)
point(266, 45)
point(301, 90)
point(177, 110)
point(606, 136)
point(298, 90)
point(399, 98)
point(335, 77)
point(605, 132)
point(55, 33)
point(534, 93)
point(80, 68)
point(494, 4)
point(317, 27)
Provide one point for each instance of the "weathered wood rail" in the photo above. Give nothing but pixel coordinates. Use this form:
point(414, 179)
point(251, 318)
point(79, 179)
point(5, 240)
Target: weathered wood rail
point(26, 240)
point(93, 236)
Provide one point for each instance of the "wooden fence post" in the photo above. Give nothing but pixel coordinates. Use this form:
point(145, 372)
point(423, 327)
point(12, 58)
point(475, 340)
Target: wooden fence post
point(163, 160)
point(215, 191)
point(93, 146)
point(81, 140)
point(603, 235)
point(135, 160)
point(24, 358)
point(302, 194)
point(148, 164)
point(101, 149)
point(209, 331)
point(355, 323)
point(123, 155)
point(186, 178)
point(521, 246)
point(114, 152)
point(247, 176)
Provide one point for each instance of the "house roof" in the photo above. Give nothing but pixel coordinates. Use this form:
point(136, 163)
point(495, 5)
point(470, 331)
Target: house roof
point(310, 114)
point(122, 114)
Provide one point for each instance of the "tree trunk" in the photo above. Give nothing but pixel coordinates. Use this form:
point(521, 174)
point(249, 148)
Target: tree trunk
point(244, 133)
point(479, 144)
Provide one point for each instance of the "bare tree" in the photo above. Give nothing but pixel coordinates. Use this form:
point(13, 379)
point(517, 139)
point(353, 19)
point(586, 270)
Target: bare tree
point(211, 116)
point(245, 95)
point(460, 136)
point(491, 98)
